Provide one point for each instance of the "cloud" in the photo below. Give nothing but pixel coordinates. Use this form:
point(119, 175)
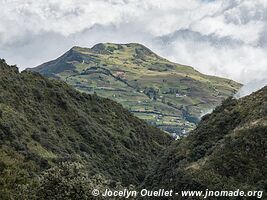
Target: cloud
point(248, 33)
point(219, 37)
point(251, 87)
point(222, 57)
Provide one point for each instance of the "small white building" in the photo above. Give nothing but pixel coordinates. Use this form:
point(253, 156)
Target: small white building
point(178, 95)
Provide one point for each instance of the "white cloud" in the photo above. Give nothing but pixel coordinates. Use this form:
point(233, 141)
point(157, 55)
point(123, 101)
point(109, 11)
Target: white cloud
point(249, 33)
point(251, 87)
point(220, 37)
point(239, 62)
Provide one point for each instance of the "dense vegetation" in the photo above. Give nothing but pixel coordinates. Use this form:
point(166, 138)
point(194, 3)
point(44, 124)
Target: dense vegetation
point(166, 94)
point(227, 151)
point(58, 143)
point(46, 122)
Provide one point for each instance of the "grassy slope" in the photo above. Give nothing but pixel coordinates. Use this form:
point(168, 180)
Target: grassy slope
point(141, 81)
point(227, 151)
point(46, 121)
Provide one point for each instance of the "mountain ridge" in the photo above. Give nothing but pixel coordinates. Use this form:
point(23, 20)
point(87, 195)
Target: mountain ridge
point(225, 152)
point(45, 122)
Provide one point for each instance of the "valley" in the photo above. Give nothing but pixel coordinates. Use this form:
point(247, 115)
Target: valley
point(59, 143)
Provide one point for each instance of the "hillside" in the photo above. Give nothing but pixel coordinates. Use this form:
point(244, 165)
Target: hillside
point(168, 95)
point(227, 151)
point(45, 122)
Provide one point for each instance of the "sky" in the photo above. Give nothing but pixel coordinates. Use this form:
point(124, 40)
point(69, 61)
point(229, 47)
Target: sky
point(226, 38)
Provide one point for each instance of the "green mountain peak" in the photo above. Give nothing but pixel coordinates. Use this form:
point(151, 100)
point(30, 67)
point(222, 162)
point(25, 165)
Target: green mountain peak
point(169, 95)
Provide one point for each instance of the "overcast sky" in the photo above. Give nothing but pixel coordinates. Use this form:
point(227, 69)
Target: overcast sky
point(220, 37)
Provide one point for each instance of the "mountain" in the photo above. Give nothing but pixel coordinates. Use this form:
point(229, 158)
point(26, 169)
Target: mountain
point(46, 122)
point(168, 95)
point(58, 143)
point(227, 151)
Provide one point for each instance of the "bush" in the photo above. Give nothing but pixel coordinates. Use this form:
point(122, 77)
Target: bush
point(67, 181)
